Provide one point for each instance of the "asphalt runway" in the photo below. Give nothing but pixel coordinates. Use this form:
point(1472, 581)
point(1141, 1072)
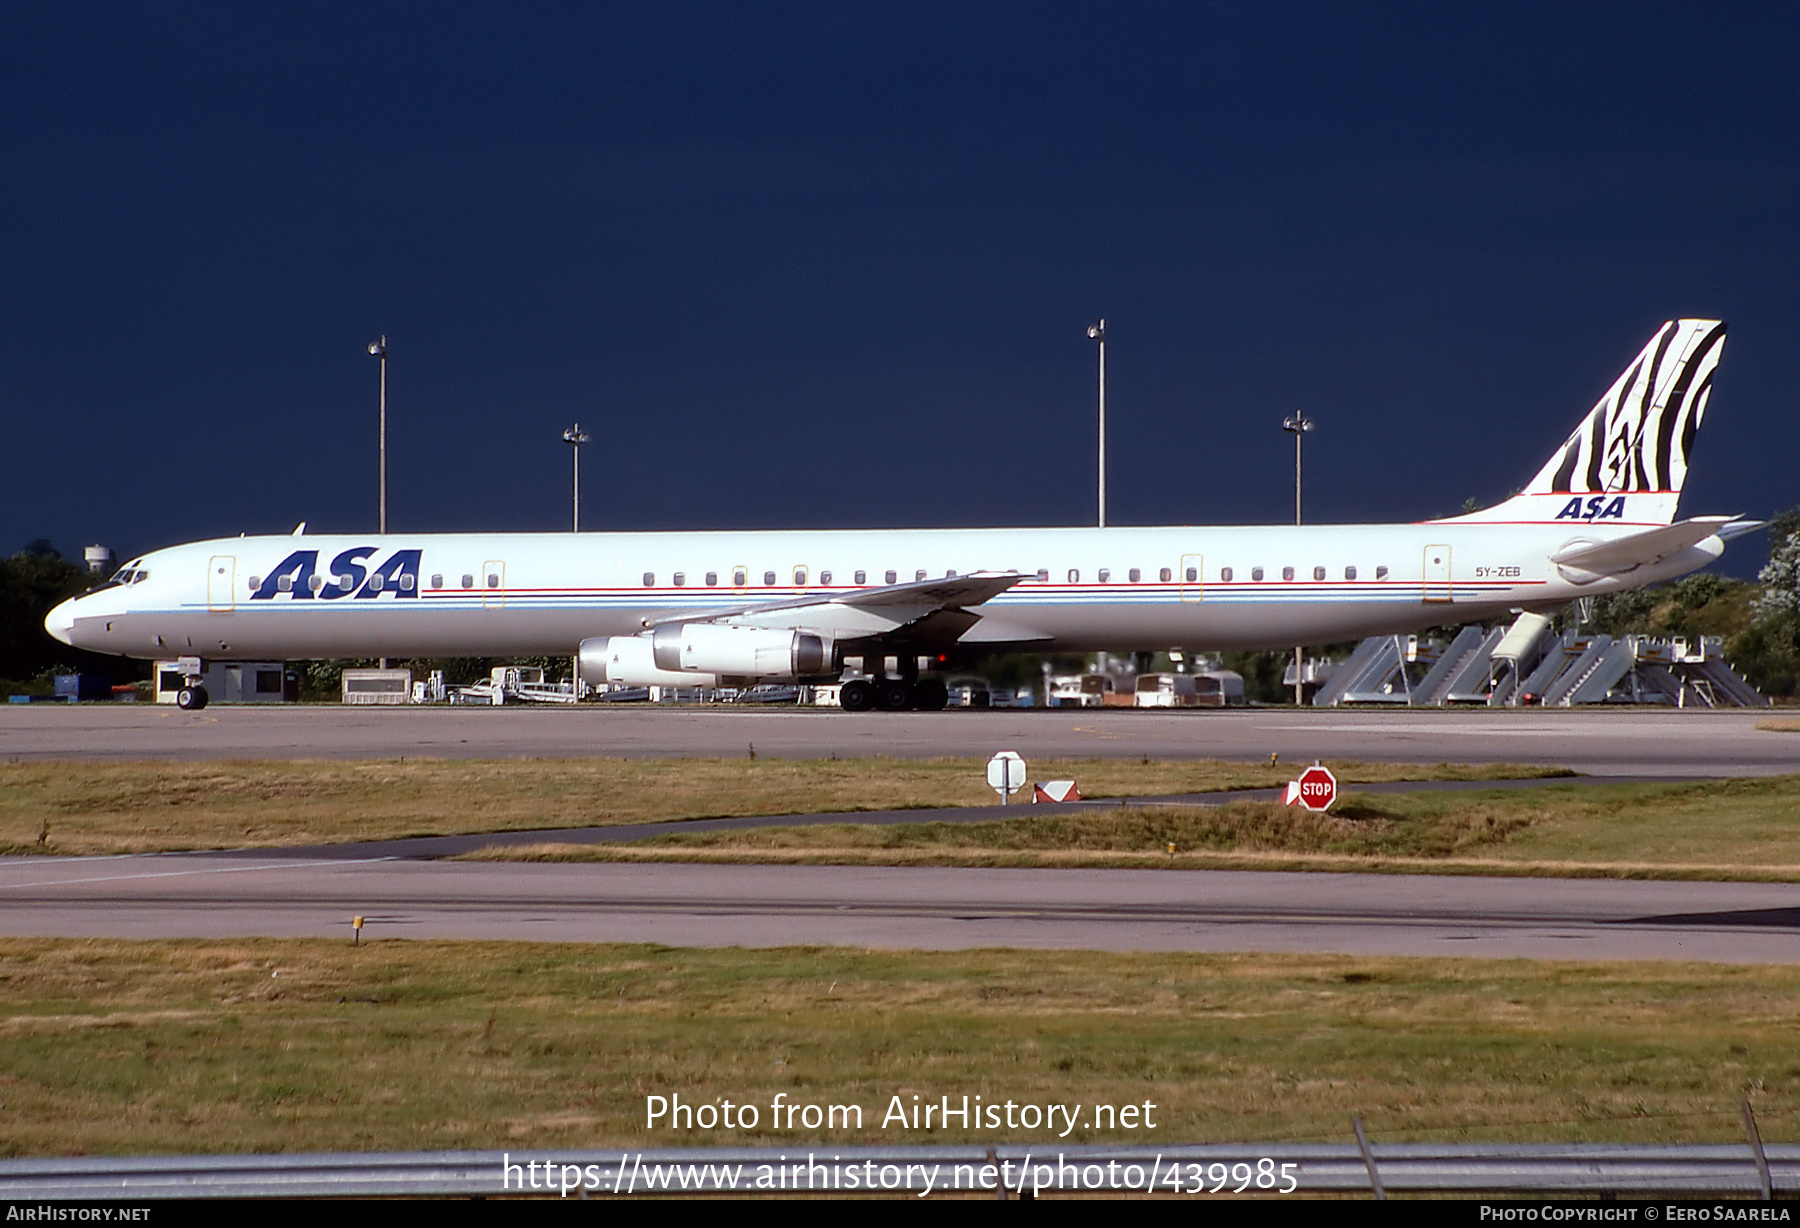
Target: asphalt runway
point(1608, 742)
point(220, 896)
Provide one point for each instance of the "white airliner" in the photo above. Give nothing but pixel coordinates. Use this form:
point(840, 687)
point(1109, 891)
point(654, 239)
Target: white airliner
point(872, 606)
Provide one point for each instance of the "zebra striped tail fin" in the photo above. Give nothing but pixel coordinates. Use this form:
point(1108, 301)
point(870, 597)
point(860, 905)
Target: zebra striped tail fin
point(1627, 460)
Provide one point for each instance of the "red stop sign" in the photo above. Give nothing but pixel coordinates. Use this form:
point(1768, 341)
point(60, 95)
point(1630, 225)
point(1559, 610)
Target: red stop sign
point(1318, 788)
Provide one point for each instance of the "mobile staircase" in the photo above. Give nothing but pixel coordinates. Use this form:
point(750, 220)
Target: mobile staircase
point(1528, 664)
point(1376, 672)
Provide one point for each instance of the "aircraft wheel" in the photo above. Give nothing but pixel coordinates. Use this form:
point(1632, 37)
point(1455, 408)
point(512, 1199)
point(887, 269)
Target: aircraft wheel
point(856, 695)
point(893, 696)
point(191, 698)
point(931, 695)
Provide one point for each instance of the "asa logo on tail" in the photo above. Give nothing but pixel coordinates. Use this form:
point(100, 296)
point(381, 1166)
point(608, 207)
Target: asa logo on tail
point(1597, 508)
point(398, 574)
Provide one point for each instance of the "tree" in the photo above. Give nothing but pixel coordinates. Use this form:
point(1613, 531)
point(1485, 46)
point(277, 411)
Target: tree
point(1780, 577)
point(1768, 652)
point(32, 583)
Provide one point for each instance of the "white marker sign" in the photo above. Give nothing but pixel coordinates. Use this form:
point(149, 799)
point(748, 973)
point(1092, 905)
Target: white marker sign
point(1006, 774)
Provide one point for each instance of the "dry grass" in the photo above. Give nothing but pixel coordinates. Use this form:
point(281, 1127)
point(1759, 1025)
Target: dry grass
point(123, 1047)
point(71, 808)
point(1779, 725)
point(1741, 829)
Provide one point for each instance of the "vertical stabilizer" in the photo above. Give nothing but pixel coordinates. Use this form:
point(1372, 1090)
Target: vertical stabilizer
point(1626, 462)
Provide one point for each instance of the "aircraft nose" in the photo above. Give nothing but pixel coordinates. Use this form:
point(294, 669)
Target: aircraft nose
point(60, 622)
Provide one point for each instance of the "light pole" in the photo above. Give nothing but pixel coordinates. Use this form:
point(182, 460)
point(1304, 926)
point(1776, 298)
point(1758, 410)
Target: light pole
point(1297, 424)
point(575, 437)
point(1098, 333)
point(379, 350)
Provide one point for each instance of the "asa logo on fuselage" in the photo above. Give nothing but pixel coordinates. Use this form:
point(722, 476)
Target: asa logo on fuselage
point(1597, 509)
point(398, 574)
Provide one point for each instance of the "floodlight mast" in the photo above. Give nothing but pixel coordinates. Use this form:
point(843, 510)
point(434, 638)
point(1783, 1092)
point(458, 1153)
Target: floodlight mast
point(1297, 424)
point(379, 350)
point(575, 437)
point(1097, 332)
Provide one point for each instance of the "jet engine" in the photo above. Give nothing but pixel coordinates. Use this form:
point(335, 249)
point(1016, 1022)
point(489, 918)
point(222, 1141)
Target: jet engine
point(745, 652)
point(700, 654)
point(627, 659)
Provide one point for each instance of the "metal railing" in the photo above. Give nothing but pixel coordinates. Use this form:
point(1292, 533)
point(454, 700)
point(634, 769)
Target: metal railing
point(1567, 1170)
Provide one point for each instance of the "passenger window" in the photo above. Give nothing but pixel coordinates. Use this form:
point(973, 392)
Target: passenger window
point(680, 579)
point(1224, 575)
point(862, 577)
point(1381, 573)
point(649, 579)
point(345, 583)
point(1165, 573)
point(1074, 575)
point(891, 577)
point(1043, 574)
point(407, 582)
point(437, 580)
point(1105, 574)
point(769, 578)
point(950, 575)
point(799, 577)
point(493, 580)
point(824, 577)
point(740, 577)
point(468, 581)
point(255, 583)
point(318, 582)
point(712, 579)
point(1318, 573)
point(376, 583)
point(920, 574)
point(1349, 573)
point(1256, 573)
point(285, 584)
point(1135, 574)
point(1287, 573)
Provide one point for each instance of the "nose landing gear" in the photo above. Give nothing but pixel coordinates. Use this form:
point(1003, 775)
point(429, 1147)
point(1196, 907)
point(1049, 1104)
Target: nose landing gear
point(191, 698)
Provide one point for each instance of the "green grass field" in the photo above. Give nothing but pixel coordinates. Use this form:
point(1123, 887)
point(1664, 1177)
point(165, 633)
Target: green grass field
point(70, 808)
point(1728, 829)
point(115, 1047)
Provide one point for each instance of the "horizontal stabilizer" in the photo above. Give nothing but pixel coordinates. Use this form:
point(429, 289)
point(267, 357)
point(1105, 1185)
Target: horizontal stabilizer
point(1583, 561)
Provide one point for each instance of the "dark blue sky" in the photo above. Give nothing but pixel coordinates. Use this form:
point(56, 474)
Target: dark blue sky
point(833, 266)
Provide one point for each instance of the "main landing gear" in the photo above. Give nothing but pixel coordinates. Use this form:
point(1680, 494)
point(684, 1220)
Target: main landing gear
point(893, 695)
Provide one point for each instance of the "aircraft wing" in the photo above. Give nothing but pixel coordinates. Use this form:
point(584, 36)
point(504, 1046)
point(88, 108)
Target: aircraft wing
point(1582, 561)
point(937, 609)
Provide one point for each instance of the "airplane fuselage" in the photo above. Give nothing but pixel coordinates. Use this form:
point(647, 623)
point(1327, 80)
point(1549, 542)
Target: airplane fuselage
point(1116, 589)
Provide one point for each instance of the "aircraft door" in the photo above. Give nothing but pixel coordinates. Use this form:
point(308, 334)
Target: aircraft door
point(221, 583)
point(493, 584)
point(1437, 573)
point(1193, 576)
